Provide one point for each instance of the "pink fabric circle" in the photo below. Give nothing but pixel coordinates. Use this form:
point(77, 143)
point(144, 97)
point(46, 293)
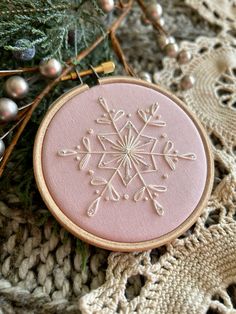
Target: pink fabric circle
point(135, 151)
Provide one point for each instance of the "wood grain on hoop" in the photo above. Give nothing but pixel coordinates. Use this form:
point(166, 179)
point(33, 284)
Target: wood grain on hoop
point(83, 234)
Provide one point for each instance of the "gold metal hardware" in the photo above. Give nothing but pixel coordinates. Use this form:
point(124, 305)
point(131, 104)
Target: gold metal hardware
point(104, 68)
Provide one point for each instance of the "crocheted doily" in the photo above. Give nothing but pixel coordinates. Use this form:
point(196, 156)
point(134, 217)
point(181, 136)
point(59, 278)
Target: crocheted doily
point(220, 12)
point(213, 96)
point(42, 268)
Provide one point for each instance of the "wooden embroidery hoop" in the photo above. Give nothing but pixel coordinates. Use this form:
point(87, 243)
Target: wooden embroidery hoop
point(83, 234)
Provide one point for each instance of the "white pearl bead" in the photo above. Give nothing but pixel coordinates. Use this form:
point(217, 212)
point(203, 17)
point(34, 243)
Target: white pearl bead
point(145, 76)
point(161, 21)
point(154, 11)
point(171, 40)
point(50, 68)
point(16, 87)
point(171, 50)
point(184, 57)
point(187, 82)
point(107, 5)
point(163, 40)
point(8, 110)
point(156, 77)
point(2, 148)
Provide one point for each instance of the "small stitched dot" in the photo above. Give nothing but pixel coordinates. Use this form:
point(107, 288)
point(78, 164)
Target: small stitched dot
point(126, 196)
point(97, 191)
point(165, 176)
point(90, 131)
point(77, 157)
point(146, 198)
point(107, 198)
point(91, 172)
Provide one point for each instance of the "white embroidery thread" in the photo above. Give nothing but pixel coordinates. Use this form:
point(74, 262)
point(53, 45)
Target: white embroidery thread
point(129, 153)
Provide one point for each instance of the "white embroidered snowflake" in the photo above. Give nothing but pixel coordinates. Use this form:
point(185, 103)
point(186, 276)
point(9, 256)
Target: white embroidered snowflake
point(129, 153)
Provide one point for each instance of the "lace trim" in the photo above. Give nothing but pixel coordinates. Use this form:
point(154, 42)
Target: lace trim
point(221, 12)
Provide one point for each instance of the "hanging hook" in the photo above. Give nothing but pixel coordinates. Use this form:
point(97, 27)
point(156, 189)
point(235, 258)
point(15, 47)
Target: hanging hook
point(79, 77)
point(105, 68)
point(95, 73)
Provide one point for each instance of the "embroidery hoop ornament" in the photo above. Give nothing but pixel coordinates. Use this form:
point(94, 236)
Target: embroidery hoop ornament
point(61, 213)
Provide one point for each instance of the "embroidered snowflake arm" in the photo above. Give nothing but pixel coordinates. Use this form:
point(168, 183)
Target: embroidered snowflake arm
point(86, 153)
point(170, 156)
point(152, 191)
point(147, 117)
point(113, 194)
point(110, 119)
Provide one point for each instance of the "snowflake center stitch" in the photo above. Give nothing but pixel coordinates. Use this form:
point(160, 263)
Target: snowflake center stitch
point(128, 150)
point(130, 153)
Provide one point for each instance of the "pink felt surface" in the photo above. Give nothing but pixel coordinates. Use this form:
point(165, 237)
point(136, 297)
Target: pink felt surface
point(123, 220)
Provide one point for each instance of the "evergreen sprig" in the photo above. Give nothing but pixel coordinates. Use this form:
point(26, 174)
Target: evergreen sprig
point(60, 29)
point(48, 25)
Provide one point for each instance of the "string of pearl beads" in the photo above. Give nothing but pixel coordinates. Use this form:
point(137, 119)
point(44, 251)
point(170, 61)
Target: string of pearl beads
point(16, 88)
point(153, 14)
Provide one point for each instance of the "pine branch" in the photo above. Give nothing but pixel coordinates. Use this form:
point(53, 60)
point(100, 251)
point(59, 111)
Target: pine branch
point(53, 83)
point(47, 25)
point(28, 7)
